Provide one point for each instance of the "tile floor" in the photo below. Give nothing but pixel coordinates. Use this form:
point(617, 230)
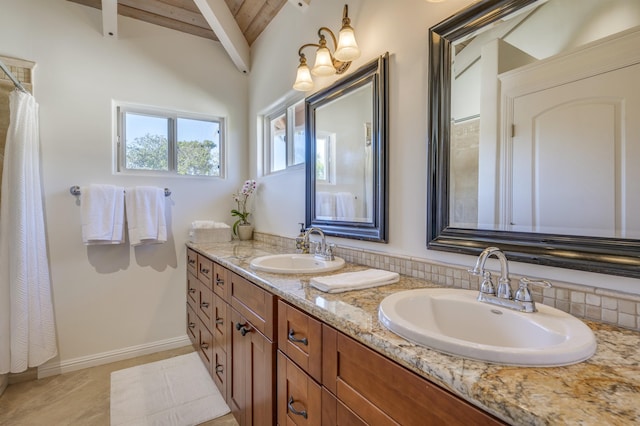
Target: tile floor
point(79, 398)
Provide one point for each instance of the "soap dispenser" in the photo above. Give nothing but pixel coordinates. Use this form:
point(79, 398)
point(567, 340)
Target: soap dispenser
point(302, 245)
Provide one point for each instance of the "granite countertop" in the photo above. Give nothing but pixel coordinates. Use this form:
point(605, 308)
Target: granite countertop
point(602, 390)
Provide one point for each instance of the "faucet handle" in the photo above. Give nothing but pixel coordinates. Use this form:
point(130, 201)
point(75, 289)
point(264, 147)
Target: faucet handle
point(487, 286)
point(524, 293)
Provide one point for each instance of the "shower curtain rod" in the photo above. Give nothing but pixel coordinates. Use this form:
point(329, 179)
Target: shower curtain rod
point(12, 77)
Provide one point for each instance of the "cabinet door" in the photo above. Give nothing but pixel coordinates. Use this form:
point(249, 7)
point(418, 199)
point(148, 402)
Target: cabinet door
point(205, 306)
point(382, 392)
point(299, 396)
point(219, 368)
point(192, 290)
point(252, 386)
point(335, 413)
point(221, 323)
point(206, 347)
point(300, 338)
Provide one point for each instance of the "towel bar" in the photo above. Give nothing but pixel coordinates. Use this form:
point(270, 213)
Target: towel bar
point(75, 190)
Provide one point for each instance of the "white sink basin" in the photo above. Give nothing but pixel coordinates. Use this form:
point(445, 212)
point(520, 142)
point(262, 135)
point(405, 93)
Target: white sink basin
point(453, 321)
point(295, 264)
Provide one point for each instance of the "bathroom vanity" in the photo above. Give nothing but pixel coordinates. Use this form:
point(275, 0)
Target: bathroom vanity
point(282, 352)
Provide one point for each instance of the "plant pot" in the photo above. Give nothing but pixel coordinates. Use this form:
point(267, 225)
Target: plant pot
point(245, 232)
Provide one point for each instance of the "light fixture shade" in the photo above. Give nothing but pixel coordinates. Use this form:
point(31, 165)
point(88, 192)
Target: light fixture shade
point(303, 79)
point(347, 49)
point(323, 65)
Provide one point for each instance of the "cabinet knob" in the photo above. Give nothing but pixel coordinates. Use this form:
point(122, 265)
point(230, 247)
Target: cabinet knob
point(204, 304)
point(219, 282)
point(219, 368)
point(192, 325)
point(204, 270)
point(192, 290)
point(204, 345)
point(192, 261)
point(219, 321)
point(243, 328)
point(292, 338)
point(302, 413)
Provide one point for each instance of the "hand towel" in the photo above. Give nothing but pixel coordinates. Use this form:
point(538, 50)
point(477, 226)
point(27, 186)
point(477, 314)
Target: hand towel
point(145, 206)
point(102, 213)
point(325, 204)
point(359, 280)
point(345, 206)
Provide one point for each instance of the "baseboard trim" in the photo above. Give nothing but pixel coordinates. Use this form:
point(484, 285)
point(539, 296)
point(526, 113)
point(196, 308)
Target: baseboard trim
point(55, 367)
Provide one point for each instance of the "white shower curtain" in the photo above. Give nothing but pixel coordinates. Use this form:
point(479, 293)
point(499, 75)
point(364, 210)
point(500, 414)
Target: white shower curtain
point(27, 329)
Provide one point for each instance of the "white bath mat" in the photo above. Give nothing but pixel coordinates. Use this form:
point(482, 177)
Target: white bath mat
point(176, 391)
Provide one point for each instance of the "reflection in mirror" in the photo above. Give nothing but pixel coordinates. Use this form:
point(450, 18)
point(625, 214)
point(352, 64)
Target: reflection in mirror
point(346, 166)
point(532, 147)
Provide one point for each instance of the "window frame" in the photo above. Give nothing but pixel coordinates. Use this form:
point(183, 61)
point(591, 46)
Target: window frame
point(172, 116)
point(288, 110)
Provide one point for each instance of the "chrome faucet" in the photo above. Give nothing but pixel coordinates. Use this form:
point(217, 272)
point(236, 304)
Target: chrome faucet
point(503, 296)
point(322, 250)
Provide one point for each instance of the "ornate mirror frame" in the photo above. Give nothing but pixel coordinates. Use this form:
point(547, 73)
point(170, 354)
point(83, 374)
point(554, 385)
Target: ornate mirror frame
point(614, 256)
point(376, 73)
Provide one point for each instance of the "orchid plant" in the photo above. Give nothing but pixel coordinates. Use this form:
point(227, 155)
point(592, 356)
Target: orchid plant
point(241, 198)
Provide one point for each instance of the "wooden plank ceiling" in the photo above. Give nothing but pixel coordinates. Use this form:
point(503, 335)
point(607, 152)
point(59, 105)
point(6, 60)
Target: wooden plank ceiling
point(252, 16)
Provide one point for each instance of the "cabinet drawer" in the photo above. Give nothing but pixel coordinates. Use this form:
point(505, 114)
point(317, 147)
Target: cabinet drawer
point(335, 413)
point(221, 326)
point(221, 284)
point(382, 392)
point(205, 306)
point(299, 396)
point(193, 289)
point(205, 270)
point(253, 303)
point(205, 349)
point(219, 370)
point(300, 338)
point(192, 326)
point(192, 262)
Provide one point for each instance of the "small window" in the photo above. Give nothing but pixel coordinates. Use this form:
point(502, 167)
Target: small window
point(167, 142)
point(325, 158)
point(285, 138)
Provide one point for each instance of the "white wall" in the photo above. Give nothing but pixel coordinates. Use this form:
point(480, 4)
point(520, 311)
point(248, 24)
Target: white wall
point(115, 298)
point(401, 28)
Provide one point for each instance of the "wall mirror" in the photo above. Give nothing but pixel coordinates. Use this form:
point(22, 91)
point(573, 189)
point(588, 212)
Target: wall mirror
point(346, 163)
point(534, 137)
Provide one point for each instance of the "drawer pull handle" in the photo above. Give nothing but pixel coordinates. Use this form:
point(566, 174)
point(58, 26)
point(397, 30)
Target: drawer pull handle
point(205, 304)
point(219, 321)
point(192, 290)
point(219, 368)
point(293, 339)
point(192, 261)
point(219, 282)
point(204, 345)
point(243, 328)
point(302, 413)
point(204, 270)
point(192, 325)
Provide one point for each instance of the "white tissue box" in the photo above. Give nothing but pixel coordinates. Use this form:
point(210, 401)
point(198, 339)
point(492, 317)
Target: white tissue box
point(210, 235)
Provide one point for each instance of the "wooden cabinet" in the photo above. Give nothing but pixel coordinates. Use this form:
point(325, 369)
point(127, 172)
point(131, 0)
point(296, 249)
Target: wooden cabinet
point(323, 377)
point(379, 391)
point(252, 391)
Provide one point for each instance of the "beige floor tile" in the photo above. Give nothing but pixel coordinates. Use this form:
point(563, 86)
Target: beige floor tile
point(76, 398)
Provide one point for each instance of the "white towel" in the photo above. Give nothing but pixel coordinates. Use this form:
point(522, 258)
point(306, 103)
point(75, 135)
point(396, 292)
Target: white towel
point(345, 205)
point(325, 204)
point(102, 212)
point(347, 281)
point(146, 215)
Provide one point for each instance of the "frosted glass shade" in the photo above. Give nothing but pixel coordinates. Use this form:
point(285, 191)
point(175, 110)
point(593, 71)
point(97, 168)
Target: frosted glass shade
point(347, 49)
point(323, 65)
point(303, 79)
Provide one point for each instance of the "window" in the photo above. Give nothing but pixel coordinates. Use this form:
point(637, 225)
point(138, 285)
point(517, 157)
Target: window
point(285, 138)
point(325, 158)
point(152, 140)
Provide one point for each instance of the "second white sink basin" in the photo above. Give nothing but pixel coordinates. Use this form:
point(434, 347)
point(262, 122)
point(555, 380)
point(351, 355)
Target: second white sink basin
point(453, 321)
point(295, 264)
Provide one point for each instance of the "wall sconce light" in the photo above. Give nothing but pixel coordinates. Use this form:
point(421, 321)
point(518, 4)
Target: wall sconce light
point(346, 50)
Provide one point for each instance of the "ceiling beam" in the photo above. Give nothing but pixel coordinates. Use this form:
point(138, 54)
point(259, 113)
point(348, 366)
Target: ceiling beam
point(224, 25)
point(110, 18)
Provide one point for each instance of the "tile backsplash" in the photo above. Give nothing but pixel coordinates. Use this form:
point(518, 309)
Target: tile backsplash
point(586, 302)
